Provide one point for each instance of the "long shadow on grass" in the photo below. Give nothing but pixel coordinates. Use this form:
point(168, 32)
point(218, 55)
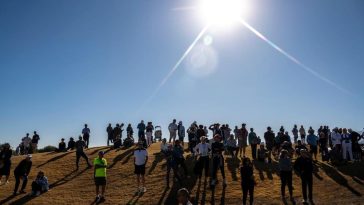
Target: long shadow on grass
point(264, 167)
point(188, 182)
point(120, 157)
point(54, 159)
point(97, 150)
point(233, 166)
point(158, 157)
point(337, 177)
point(62, 181)
point(355, 170)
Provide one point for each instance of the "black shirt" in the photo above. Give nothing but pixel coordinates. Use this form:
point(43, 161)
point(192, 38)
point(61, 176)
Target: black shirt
point(35, 139)
point(217, 148)
point(23, 168)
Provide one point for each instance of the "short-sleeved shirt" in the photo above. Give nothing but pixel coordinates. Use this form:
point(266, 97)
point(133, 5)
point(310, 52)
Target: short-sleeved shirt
point(140, 156)
point(100, 172)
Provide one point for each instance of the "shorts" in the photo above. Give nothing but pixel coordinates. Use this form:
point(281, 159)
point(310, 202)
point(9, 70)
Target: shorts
point(172, 134)
point(139, 169)
point(241, 143)
point(313, 149)
point(100, 181)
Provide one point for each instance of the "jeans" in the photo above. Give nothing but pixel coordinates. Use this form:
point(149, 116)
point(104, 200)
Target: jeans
point(218, 162)
point(286, 179)
point(17, 182)
point(83, 155)
point(248, 188)
point(306, 184)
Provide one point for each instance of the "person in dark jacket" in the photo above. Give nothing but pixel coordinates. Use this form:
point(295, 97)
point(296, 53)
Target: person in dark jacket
point(285, 168)
point(5, 160)
point(21, 172)
point(247, 180)
point(217, 160)
point(80, 145)
point(110, 136)
point(303, 166)
point(71, 144)
point(62, 146)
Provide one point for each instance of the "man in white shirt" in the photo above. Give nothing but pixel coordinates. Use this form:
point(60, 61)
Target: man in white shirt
point(203, 150)
point(26, 143)
point(336, 139)
point(172, 131)
point(140, 160)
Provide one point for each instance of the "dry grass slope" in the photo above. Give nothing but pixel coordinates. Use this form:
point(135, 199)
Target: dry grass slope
point(342, 185)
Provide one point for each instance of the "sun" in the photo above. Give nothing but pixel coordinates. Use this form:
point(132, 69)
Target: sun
point(221, 12)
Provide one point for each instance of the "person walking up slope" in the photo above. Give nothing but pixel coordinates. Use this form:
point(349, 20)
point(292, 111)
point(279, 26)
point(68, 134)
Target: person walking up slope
point(80, 145)
point(100, 165)
point(140, 160)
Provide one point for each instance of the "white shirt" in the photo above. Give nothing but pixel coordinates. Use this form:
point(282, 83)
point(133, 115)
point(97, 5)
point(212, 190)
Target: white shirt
point(26, 141)
point(335, 138)
point(164, 147)
point(140, 156)
point(203, 149)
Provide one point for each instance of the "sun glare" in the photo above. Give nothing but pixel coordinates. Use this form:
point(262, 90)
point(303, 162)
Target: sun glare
point(221, 12)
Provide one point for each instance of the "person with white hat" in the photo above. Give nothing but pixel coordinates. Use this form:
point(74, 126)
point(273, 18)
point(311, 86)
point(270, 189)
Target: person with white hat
point(21, 172)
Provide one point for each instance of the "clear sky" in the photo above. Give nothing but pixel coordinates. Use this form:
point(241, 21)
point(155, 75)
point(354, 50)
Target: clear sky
point(66, 63)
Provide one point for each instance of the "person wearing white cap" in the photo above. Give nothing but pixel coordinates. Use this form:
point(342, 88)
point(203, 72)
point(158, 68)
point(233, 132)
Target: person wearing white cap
point(21, 172)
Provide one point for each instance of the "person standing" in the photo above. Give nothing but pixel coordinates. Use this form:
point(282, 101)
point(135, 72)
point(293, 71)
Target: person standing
point(346, 145)
point(100, 164)
point(269, 137)
point(172, 128)
point(312, 140)
point(355, 138)
point(295, 134)
point(244, 139)
point(26, 141)
point(247, 180)
point(5, 159)
point(140, 160)
point(171, 164)
point(117, 136)
point(217, 160)
point(149, 132)
point(192, 138)
point(40, 184)
point(21, 172)
point(80, 145)
point(303, 166)
point(302, 134)
point(181, 133)
point(35, 141)
point(86, 135)
point(178, 156)
point(141, 130)
point(253, 141)
point(110, 136)
point(129, 131)
point(285, 167)
point(202, 150)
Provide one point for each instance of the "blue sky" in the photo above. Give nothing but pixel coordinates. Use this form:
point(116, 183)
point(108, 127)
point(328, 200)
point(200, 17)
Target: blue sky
point(66, 63)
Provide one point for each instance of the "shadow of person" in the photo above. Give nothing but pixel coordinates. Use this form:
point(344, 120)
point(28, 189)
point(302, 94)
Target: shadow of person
point(120, 157)
point(67, 178)
point(233, 166)
point(354, 170)
point(269, 169)
point(55, 159)
point(163, 195)
point(222, 201)
point(158, 157)
point(337, 177)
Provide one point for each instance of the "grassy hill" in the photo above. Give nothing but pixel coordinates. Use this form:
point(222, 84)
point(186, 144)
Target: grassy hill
point(341, 185)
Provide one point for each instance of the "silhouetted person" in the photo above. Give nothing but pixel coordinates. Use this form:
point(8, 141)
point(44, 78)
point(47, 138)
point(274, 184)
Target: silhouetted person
point(295, 133)
point(269, 142)
point(5, 158)
point(172, 128)
point(202, 151)
point(40, 184)
point(86, 135)
point(285, 168)
point(141, 130)
point(183, 197)
point(303, 166)
point(71, 144)
point(21, 172)
point(247, 180)
point(110, 136)
point(217, 160)
point(253, 141)
point(35, 141)
point(62, 146)
point(80, 145)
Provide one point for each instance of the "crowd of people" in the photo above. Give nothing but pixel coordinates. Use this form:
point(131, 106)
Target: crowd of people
point(208, 153)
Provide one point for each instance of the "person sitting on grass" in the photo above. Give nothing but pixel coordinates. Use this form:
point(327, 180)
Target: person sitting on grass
point(262, 153)
point(171, 165)
point(312, 141)
point(71, 144)
point(39, 185)
point(231, 146)
point(62, 146)
point(100, 164)
point(183, 197)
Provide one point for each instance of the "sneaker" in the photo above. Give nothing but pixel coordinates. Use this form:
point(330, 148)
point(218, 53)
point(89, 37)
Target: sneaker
point(97, 199)
point(143, 190)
